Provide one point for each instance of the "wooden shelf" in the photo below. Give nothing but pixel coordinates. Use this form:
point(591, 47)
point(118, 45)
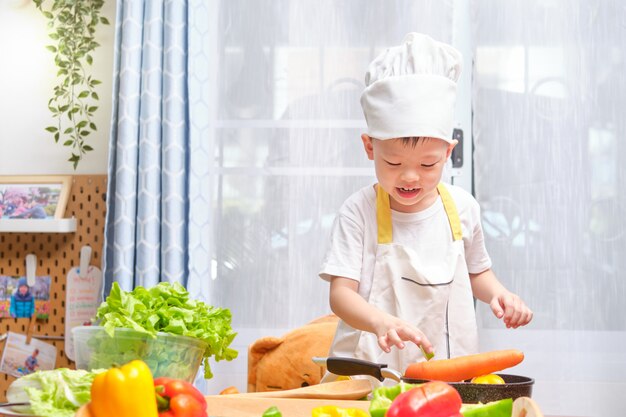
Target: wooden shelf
point(38, 225)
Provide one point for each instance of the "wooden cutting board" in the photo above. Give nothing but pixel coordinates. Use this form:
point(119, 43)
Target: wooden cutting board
point(234, 406)
point(351, 389)
point(231, 406)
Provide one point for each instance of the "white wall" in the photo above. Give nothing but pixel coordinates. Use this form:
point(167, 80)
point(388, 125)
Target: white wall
point(27, 77)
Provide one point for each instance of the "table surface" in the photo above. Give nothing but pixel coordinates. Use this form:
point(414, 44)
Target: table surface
point(551, 415)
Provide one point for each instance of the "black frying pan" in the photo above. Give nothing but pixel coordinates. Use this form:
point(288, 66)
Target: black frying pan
point(514, 385)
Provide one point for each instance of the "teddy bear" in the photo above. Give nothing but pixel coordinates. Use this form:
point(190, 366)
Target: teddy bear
point(280, 363)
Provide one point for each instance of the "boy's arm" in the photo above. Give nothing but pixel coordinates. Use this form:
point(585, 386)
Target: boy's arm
point(347, 303)
point(505, 305)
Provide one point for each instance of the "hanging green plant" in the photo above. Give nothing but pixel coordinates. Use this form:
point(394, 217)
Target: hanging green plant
point(74, 102)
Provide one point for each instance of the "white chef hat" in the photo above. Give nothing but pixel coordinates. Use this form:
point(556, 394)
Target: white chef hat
point(411, 90)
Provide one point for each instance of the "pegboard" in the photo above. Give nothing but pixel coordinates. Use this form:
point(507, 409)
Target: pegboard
point(56, 254)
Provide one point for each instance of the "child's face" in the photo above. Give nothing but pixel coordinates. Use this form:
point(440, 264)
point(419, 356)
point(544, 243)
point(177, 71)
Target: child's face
point(23, 289)
point(409, 174)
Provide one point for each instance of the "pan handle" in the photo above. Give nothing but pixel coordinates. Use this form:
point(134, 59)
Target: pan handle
point(352, 366)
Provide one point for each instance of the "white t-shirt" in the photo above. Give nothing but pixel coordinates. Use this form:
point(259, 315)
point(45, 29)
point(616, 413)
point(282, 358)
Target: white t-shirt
point(353, 239)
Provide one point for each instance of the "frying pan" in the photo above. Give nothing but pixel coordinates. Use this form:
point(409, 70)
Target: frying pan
point(514, 386)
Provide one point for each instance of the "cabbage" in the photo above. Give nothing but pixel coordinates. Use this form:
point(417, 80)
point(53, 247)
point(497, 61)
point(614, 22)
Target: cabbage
point(55, 393)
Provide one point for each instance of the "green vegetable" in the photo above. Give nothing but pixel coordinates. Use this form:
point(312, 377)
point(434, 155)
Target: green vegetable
point(382, 397)
point(428, 356)
point(273, 411)
point(502, 408)
point(55, 393)
point(167, 308)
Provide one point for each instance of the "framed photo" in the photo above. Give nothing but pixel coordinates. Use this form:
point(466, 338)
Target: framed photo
point(20, 358)
point(34, 196)
point(20, 300)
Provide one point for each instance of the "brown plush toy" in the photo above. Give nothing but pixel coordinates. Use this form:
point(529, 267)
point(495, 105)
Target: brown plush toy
point(280, 363)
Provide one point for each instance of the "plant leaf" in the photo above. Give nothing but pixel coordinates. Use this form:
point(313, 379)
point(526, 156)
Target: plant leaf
point(73, 25)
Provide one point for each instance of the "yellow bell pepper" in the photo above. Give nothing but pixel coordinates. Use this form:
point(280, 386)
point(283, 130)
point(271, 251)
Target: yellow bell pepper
point(127, 391)
point(334, 411)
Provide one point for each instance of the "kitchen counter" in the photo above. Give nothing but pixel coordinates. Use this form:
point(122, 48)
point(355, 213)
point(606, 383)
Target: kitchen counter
point(231, 406)
point(303, 410)
point(241, 406)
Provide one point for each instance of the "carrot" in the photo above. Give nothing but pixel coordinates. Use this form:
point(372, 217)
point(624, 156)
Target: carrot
point(464, 367)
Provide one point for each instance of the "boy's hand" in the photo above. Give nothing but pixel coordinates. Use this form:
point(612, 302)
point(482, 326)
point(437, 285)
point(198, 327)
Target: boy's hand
point(353, 309)
point(394, 332)
point(511, 309)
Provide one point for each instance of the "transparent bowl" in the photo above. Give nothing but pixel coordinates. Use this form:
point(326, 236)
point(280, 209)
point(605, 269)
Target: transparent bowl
point(166, 354)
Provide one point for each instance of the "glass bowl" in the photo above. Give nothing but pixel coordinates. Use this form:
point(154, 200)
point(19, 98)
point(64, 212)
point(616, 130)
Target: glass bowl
point(166, 354)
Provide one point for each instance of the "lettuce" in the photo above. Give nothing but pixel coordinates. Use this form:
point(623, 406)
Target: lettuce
point(54, 393)
point(167, 308)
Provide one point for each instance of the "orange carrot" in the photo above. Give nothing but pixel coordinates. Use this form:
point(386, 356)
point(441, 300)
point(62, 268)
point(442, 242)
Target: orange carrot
point(464, 367)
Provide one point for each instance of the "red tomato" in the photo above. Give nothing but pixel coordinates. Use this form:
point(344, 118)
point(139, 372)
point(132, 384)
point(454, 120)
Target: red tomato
point(183, 399)
point(433, 399)
point(184, 405)
point(173, 387)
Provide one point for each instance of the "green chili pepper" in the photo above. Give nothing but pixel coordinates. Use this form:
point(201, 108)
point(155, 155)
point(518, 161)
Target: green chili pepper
point(502, 408)
point(428, 356)
point(273, 411)
point(383, 396)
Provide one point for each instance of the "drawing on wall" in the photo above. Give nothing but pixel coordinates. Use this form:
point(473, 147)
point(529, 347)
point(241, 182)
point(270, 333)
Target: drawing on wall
point(20, 300)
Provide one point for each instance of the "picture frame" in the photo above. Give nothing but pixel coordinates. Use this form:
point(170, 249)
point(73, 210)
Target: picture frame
point(18, 299)
point(20, 358)
point(34, 196)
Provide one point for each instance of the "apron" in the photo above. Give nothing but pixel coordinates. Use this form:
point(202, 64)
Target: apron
point(436, 298)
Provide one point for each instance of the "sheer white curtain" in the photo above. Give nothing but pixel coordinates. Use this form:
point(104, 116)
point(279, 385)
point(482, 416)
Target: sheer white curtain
point(280, 151)
point(284, 148)
point(549, 99)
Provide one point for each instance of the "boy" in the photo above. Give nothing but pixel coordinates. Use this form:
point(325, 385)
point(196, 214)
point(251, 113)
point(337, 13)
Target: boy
point(22, 301)
point(407, 255)
point(31, 363)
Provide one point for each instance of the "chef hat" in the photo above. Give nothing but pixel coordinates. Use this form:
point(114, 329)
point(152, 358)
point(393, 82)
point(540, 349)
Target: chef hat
point(411, 90)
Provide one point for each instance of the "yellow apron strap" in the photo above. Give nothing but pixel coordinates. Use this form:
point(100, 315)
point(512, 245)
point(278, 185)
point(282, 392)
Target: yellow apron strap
point(383, 216)
point(453, 214)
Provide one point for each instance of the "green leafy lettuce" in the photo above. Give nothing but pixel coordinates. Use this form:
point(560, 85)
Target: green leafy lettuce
point(54, 393)
point(165, 308)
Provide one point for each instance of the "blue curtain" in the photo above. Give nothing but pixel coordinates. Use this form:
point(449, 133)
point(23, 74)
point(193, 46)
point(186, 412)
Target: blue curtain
point(149, 236)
